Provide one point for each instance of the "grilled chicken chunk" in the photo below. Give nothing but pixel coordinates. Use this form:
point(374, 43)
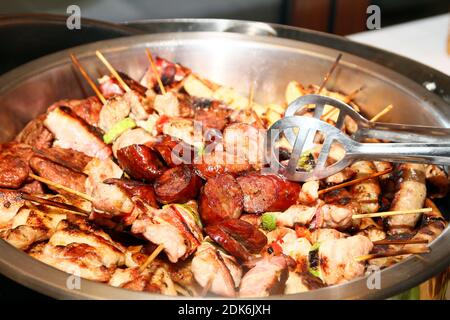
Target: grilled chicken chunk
point(79, 230)
point(31, 225)
point(174, 226)
point(337, 258)
point(156, 279)
point(217, 269)
point(267, 276)
point(319, 216)
point(108, 198)
point(291, 245)
point(72, 132)
point(302, 282)
point(10, 203)
point(76, 258)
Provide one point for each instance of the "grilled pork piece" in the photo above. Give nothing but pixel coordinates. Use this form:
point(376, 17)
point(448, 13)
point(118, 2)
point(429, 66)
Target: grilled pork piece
point(58, 174)
point(72, 132)
point(36, 134)
point(87, 109)
point(410, 195)
point(68, 158)
point(367, 192)
point(215, 268)
point(14, 169)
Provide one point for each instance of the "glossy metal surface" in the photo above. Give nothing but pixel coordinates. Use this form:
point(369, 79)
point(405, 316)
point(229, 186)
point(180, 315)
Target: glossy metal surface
point(234, 60)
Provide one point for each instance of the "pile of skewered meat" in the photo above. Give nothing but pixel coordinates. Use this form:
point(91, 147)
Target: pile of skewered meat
point(121, 188)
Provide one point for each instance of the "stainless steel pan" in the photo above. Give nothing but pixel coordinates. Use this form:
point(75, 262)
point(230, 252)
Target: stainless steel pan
point(235, 60)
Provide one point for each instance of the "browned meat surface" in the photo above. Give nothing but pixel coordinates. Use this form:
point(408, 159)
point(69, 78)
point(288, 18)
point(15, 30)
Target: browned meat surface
point(337, 258)
point(58, 174)
point(267, 276)
point(72, 132)
point(76, 258)
point(36, 134)
point(87, 109)
point(10, 203)
point(264, 193)
point(220, 271)
point(68, 158)
point(410, 195)
point(14, 169)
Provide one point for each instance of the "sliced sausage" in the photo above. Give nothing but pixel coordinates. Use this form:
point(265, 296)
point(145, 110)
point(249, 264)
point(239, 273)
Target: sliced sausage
point(168, 146)
point(221, 199)
point(264, 193)
point(239, 238)
point(177, 184)
point(140, 162)
point(143, 191)
point(219, 162)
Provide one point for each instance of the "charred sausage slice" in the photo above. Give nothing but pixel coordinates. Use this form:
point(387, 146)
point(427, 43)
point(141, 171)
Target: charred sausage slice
point(140, 162)
point(177, 184)
point(264, 193)
point(221, 199)
point(143, 191)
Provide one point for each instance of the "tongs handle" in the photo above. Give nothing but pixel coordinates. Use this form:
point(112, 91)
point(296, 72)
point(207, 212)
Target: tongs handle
point(403, 133)
point(430, 153)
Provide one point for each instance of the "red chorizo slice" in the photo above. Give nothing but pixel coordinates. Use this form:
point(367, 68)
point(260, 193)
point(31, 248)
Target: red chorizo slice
point(173, 150)
point(264, 193)
point(177, 184)
point(221, 199)
point(140, 162)
point(143, 191)
point(239, 238)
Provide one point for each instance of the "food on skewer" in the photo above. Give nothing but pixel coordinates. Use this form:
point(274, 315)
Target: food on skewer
point(198, 209)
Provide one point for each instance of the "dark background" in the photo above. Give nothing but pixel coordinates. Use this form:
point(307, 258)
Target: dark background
point(337, 16)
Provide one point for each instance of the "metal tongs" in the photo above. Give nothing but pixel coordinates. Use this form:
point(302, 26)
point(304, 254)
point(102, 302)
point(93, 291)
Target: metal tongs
point(420, 144)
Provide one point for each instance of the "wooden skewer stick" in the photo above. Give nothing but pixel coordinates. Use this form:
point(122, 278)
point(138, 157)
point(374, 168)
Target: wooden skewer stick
point(392, 253)
point(88, 79)
point(60, 186)
point(390, 213)
point(352, 182)
point(151, 258)
point(327, 76)
point(382, 113)
point(329, 114)
point(113, 71)
point(56, 204)
point(155, 71)
point(251, 95)
point(352, 94)
point(410, 241)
